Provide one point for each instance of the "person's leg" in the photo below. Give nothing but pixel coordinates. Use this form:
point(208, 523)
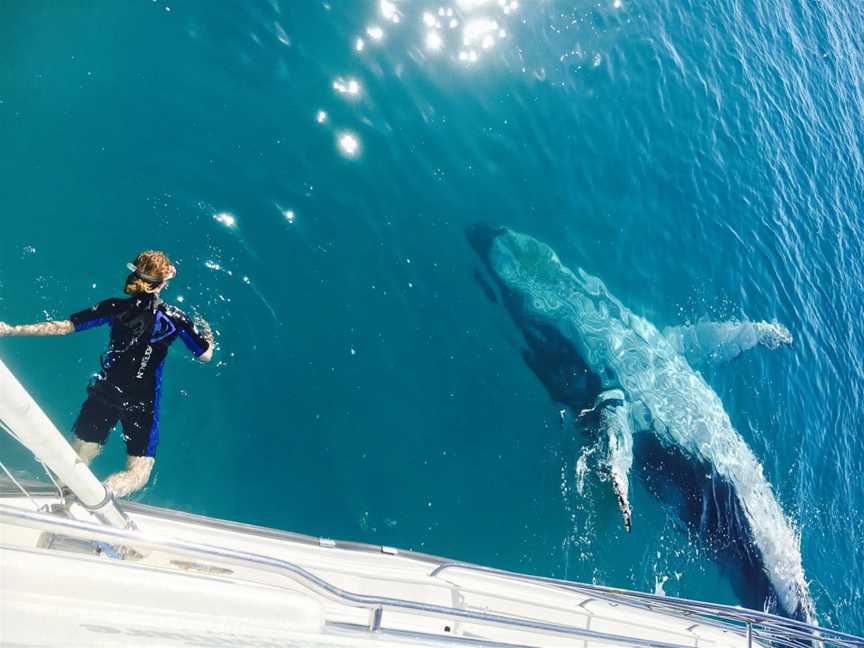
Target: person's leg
point(135, 477)
point(87, 451)
point(92, 427)
point(141, 431)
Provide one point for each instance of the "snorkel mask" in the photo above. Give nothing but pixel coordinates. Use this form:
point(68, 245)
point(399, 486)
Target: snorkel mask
point(154, 281)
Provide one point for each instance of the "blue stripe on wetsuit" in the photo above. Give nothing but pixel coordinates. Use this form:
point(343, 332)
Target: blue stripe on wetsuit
point(83, 326)
point(153, 441)
point(190, 342)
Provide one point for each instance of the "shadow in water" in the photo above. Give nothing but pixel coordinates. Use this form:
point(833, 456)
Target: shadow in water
point(707, 504)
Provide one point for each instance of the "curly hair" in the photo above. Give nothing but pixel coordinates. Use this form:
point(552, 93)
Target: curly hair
point(152, 263)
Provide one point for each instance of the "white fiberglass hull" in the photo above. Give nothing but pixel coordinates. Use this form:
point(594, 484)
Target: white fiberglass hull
point(203, 582)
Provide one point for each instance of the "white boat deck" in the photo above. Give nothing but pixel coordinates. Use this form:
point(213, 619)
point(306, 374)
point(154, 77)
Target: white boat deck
point(205, 582)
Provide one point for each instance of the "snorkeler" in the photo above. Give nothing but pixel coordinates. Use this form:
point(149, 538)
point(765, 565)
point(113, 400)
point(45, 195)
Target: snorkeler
point(128, 387)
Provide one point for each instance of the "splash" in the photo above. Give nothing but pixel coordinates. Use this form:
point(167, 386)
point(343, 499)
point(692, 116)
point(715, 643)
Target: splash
point(582, 469)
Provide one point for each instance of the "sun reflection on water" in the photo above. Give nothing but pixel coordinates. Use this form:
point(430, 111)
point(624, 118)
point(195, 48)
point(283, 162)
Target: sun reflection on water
point(226, 219)
point(464, 28)
point(348, 87)
point(434, 42)
point(348, 144)
point(389, 11)
point(461, 31)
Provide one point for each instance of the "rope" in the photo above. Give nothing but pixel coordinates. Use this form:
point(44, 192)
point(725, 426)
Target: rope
point(5, 426)
point(53, 481)
point(18, 484)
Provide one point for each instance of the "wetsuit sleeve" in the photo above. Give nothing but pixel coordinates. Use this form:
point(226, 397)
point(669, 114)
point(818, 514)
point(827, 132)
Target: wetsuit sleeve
point(96, 315)
point(191, 335)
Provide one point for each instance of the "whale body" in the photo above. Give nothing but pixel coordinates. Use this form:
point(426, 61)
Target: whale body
point(591, 352)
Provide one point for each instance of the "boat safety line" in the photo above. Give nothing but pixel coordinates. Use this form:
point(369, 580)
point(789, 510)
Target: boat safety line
point(309, 580)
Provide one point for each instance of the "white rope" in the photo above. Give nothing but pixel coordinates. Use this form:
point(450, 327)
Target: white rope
point(38, 460)
point(20, 487)
point(53, 481)
point(10, 431)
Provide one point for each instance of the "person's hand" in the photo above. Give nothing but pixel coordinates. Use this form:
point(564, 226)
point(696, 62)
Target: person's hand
point(5, 329)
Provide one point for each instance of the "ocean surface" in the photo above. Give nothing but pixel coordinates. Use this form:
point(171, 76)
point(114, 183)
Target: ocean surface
point(312, 168)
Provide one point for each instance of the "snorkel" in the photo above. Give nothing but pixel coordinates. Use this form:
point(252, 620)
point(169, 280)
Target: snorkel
point(134, 270)
point(150, 273)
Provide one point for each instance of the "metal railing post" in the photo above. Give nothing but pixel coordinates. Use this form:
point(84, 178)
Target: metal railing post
point(375, 615)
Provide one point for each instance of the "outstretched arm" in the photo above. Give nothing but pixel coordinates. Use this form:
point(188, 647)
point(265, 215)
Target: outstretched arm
point(195, 333)
point(62, 327)
point(207, 334)
point(207, 356)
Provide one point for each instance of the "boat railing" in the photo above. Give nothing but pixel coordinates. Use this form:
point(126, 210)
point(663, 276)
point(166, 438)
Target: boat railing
point(752, 627)
point(755, 626)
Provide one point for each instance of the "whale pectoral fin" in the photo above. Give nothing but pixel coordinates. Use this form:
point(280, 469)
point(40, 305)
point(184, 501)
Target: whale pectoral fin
point(616, 426)
point(708, 343)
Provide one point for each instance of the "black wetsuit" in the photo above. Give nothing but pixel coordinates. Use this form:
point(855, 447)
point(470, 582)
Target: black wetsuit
point(129, 385)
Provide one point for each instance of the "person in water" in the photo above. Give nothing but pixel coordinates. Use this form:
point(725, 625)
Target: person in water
point(128, 387)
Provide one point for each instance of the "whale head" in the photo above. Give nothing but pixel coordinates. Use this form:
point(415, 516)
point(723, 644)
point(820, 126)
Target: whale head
point(519, 263)
point(531, 281)
point(547, 298)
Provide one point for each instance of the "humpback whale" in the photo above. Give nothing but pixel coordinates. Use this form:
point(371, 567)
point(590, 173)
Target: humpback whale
point(611, 366)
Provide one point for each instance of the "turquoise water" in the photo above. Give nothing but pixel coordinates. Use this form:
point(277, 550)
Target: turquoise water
point(704, 159)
